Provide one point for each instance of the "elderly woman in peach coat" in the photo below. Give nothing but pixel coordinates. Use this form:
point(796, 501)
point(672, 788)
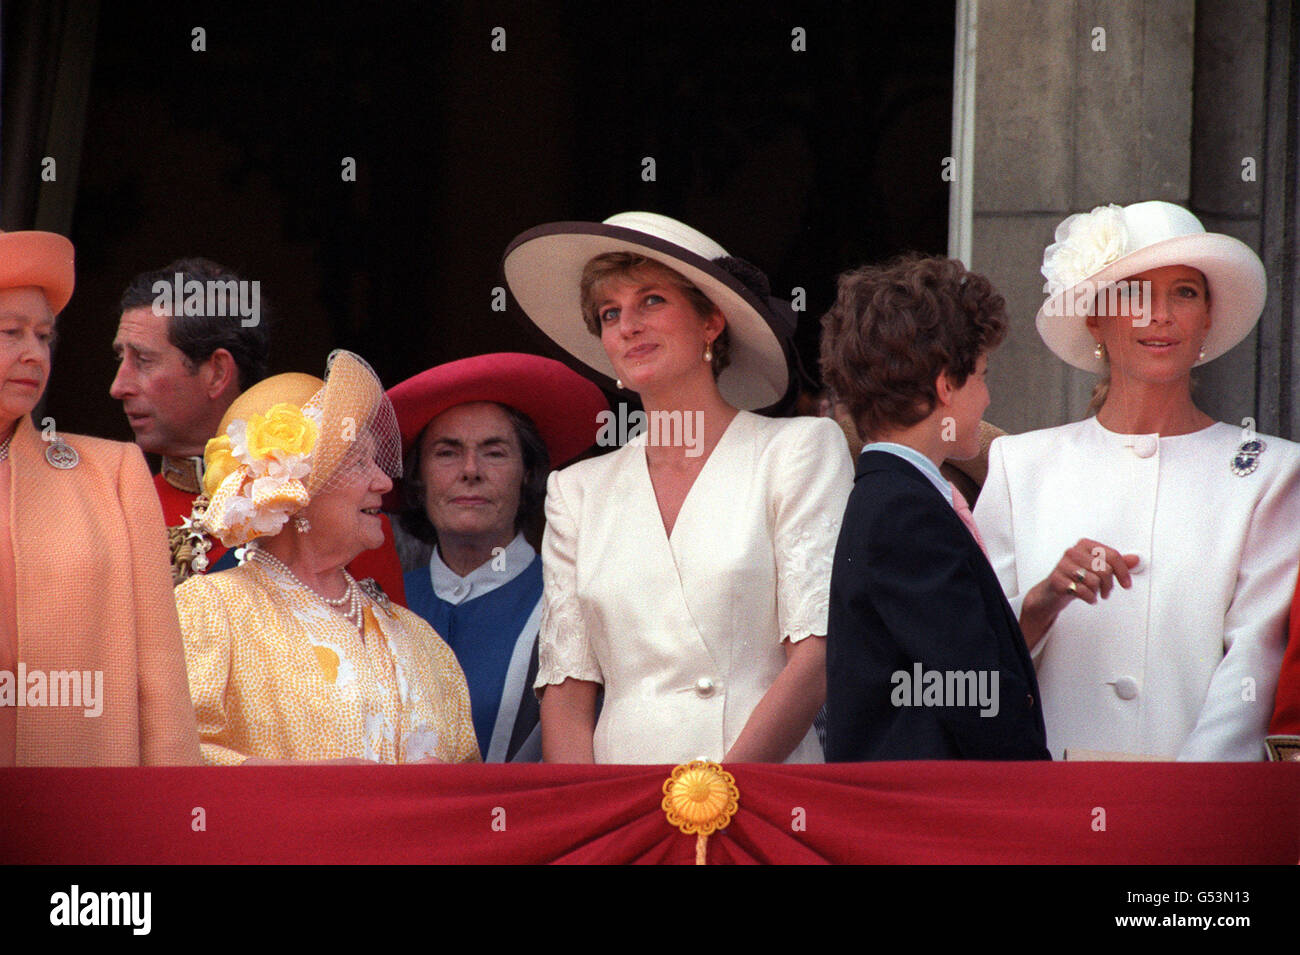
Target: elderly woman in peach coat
point(92, 672)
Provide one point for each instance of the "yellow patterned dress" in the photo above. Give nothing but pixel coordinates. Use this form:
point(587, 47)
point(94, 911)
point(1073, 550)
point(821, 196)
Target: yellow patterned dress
point(275, 673)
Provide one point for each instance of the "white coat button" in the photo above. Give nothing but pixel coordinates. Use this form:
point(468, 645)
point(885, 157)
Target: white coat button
point(704, 686)
point(1126, 688)
point(1144, 445)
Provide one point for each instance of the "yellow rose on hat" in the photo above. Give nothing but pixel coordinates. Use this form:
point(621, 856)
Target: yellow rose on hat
point(283, 439)
point(217, 463)
point(284, 429)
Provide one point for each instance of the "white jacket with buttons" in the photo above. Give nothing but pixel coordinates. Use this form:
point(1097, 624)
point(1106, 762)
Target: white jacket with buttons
point(685, 632)
point(1185, 663)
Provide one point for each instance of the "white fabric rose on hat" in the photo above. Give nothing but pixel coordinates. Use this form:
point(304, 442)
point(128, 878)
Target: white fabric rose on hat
point(1085, 243)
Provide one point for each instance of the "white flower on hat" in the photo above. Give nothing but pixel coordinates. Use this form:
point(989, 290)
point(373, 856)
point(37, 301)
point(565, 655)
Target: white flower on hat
point(237, 431)
point(1085, 243)
point(278, 474)
point(269, 520)
point(239, 510)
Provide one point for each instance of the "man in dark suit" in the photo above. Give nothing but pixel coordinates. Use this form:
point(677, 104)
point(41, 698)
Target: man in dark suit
point(925, 659)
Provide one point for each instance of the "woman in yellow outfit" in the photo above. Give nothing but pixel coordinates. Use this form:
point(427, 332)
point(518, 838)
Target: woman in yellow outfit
point(289, 657)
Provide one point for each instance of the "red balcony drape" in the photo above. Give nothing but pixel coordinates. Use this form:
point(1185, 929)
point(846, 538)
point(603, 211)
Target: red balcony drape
point(1111, 813)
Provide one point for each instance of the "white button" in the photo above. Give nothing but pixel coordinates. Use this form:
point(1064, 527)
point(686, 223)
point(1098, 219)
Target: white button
point(704, 686)
point(1144, 445)
point(1126, 688)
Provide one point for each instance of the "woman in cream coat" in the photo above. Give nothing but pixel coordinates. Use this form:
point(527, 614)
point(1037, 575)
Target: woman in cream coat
point(688, 572)
point(1160, 630)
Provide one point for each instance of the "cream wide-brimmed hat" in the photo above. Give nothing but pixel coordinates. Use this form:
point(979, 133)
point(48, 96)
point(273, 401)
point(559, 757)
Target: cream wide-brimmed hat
point(1098, 248)
point(543, 268)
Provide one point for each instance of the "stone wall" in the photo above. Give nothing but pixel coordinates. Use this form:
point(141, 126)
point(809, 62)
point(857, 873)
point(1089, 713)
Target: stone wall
point(1079, 103)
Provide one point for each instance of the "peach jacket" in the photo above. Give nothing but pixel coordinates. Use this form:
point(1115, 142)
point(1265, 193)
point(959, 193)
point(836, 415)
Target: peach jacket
point(94, 593)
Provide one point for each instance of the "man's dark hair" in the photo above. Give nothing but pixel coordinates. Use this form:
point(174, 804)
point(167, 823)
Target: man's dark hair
point(532, 494)
point(198, 336)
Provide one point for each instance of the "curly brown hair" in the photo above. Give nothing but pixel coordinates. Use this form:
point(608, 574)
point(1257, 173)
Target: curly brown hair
point(632, 267)
point(895, 328)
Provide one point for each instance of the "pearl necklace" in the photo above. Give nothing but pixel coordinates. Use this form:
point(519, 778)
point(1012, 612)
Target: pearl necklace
point(4, 448)
point(351, 597)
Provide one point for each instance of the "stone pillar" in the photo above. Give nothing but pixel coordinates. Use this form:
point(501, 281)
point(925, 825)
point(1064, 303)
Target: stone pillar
point(1077, 104)
point(1230, 177)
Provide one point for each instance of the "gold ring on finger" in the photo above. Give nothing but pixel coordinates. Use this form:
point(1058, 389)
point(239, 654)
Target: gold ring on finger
point(1073, 588)
point(1080, 575)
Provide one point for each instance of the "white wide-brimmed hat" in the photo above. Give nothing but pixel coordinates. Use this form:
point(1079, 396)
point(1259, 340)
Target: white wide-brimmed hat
point(543, 268)
point(1098, 248)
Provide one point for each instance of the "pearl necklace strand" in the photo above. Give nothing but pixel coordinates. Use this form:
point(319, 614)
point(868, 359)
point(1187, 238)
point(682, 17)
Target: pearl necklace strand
point(4, 448)
point(351, 597)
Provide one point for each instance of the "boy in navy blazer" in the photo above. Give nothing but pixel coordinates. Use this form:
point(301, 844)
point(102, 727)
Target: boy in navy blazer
point(924, 657)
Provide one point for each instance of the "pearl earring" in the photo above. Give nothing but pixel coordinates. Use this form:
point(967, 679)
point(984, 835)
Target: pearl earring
point(1201, 356)
point(618, 383)
point(708, 351)
point(1099, 352)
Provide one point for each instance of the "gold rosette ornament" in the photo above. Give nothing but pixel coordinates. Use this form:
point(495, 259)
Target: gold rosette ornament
point(700, 797)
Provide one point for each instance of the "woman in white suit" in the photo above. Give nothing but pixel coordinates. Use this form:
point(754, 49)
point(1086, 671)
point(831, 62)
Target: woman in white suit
point(1160, 629)
point(687, 573)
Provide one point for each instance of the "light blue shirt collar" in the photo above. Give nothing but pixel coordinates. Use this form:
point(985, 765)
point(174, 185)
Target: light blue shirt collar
point(919, 461)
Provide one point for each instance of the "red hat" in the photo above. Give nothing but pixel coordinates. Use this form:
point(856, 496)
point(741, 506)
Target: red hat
point(561, 403)
point(40, 259)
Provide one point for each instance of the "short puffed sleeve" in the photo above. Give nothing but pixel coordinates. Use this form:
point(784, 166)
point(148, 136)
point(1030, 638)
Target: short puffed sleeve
point(563, 647)
point(208, 635)
point(437, 719)
point(812, 478)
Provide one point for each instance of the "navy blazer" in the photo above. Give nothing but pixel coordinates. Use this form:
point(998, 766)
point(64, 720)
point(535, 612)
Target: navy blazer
point(912, 595)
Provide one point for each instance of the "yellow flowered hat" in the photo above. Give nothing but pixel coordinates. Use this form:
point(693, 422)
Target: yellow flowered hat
point(293, 388)
point(288, 438)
